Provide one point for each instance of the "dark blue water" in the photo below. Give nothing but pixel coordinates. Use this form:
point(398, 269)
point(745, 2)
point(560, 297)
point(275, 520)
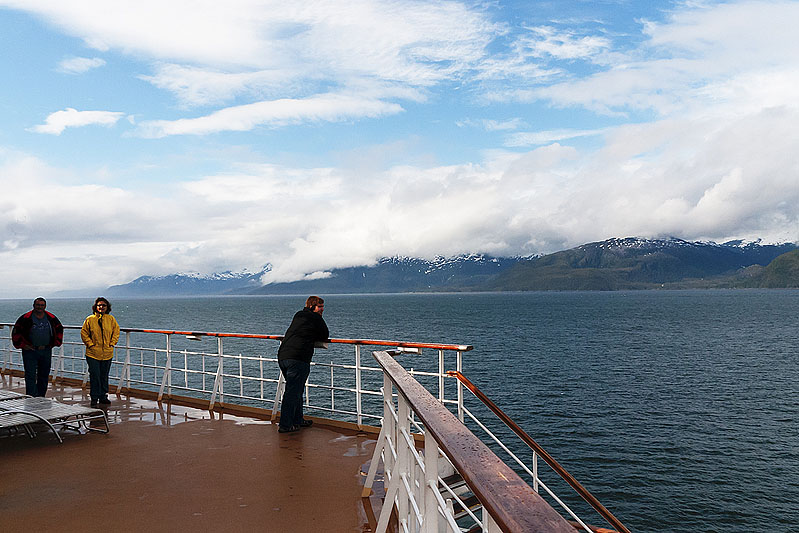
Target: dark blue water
point(679, 410)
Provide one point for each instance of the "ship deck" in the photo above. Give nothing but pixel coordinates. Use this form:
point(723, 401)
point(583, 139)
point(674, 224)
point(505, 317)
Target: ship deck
point(171, 467)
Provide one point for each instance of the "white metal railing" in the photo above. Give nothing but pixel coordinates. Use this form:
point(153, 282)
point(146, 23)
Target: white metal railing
point(490, 496)
point(242, 368)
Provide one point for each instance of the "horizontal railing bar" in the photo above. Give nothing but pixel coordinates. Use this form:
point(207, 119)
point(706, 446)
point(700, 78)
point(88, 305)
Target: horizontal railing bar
point(366, 342)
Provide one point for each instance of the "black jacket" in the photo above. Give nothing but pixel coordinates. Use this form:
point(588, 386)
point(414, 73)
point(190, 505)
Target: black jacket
point(306, 328)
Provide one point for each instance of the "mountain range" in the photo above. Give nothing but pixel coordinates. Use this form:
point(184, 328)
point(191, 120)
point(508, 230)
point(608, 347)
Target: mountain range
point(613, 264)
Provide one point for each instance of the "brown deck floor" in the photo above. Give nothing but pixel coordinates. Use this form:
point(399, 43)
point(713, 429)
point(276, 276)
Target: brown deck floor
point(166, 467)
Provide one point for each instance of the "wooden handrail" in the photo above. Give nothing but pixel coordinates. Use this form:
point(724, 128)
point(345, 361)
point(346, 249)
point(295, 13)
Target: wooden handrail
point(562, 472)
point(511, 502)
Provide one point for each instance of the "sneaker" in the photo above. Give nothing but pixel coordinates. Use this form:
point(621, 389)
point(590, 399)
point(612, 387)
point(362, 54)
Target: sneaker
point(105, 400)
point(94, 402)
point(291, 429)
point(306, 423)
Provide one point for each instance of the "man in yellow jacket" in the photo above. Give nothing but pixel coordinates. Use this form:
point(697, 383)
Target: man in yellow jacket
point(100, 333)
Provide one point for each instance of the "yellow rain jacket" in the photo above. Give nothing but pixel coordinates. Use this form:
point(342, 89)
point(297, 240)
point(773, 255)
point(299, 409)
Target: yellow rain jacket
point(100, 333)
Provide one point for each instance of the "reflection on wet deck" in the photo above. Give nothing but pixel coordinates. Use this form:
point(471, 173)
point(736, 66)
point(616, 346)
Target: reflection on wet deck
point(171, 467)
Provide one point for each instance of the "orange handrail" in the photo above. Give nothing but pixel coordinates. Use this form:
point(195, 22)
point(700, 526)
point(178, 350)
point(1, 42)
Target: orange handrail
point(365, 342)
point(582, 491)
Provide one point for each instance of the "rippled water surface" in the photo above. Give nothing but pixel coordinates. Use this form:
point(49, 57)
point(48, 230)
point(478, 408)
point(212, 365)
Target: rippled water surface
point(679, 410)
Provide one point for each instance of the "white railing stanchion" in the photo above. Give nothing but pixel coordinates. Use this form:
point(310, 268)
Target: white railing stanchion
point(459, 364)
point(403, 466)
point(218, 379)
point(391, 475)
point(281, 385)
point(167, 377)
point(358, 385)
point(125, 366)
point(59, 362)
point(431, 484)
point(441, 376)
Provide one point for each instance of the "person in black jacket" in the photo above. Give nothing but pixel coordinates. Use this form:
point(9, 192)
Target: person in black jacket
point(36, 333)
point(294, 358)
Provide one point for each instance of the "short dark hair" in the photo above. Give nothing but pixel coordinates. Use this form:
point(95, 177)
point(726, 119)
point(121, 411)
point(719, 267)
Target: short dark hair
point(313, 301)
point(39, 299)
point(106, 302)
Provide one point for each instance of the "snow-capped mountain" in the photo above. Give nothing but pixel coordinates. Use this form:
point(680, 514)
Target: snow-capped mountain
point(618, 263)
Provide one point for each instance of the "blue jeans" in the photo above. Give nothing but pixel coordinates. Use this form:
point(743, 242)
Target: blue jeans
point(98, 377)
point(296, 374)
point(37, 370)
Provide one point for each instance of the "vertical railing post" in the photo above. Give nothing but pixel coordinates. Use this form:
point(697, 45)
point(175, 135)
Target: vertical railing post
point(535, 471)
point(389, 423)
point(459, 365)
point(241, 375)
point(381, 448)
point(167, 377)
point(430, 511)
point(59, 362)
point(358, 384)
point(218, 380)
point(403, 466)
point(221, 350)
point(281, 384)
point(125, 366)
point(391, 475)
point(441, 376)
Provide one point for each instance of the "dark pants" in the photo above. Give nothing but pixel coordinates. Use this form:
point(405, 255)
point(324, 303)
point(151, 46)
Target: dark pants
point(37, 370)
point(296, 374)
point(98, 377)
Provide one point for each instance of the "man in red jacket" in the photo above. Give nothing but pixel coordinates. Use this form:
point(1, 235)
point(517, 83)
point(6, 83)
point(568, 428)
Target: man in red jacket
point(36, 333)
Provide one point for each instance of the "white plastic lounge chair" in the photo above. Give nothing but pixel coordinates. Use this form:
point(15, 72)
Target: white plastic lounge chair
point(22, 412)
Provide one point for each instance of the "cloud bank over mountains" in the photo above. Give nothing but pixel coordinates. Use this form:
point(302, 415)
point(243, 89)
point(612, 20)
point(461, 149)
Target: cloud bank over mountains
point(315, 136)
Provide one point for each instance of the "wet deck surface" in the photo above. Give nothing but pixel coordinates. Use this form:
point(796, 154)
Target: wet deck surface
point(166, 467)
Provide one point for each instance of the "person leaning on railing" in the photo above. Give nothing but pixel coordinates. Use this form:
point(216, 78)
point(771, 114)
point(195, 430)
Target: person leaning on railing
point(294, 358)
point(100, 332)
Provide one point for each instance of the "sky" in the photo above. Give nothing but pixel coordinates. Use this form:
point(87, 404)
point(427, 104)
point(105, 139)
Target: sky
point(150, 137)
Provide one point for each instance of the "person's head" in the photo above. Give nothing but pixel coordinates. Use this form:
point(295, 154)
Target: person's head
point(101, 305)
point(39, 305)
point(315, 304)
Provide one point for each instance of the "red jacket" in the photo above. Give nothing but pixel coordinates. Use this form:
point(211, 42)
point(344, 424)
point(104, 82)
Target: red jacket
point(21, 334)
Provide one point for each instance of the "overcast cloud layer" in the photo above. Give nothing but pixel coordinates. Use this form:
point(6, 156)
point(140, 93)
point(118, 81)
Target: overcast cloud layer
point(185, 136)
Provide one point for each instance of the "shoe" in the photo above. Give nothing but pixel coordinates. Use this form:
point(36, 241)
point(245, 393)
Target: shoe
point(291, 429)
point(306, 423)
point(105, 400)
point(94, 402)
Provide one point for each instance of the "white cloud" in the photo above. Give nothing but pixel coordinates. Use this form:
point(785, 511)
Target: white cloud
point(547, 41)
point(211, 52)
point(686, 58)
point(57, 122)
point(329, 107)
point(79, 65)
point(690, 177)
point(532, 138)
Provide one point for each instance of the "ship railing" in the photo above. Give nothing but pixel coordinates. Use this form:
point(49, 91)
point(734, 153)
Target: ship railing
point(242, 368)
point(342, 386)
point(416, 484)
point(537, 451)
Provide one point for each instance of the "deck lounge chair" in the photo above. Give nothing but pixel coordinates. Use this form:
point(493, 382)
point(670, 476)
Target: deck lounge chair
point(25, 411)
point(10, 395)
